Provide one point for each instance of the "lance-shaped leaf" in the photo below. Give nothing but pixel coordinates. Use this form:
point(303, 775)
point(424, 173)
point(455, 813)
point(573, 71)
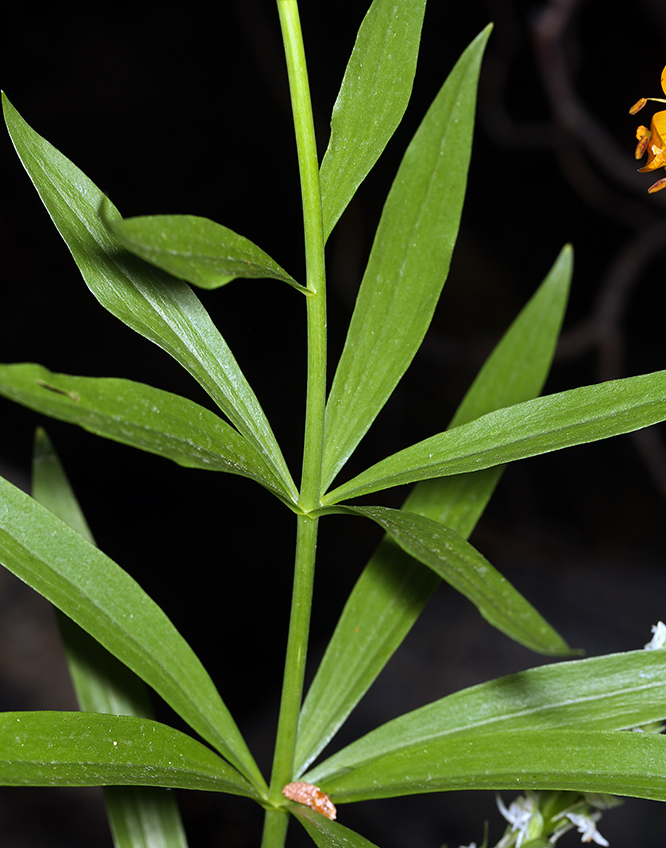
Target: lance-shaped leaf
point(141, 416)
point(154, 304)
point(89, 749)
point(373, 97)
point(393, 588)
point(408, 263)
point(614, 692)
point(453, 559)
point(139, 816)
point(195, 249)
point(326, 833)
point(611, 762)
point(106, 602)
point(537, 426)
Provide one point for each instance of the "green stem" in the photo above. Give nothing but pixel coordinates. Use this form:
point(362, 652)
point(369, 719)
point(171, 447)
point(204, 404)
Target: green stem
point(306, 540)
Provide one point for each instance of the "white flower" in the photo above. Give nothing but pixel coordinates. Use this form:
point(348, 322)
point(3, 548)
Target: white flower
point(587, 826)
point(658, 639)
point(520, 815)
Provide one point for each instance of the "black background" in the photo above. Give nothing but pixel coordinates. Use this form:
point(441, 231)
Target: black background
point(173, 110)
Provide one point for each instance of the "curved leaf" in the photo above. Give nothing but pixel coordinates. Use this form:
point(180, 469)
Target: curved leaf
point(139, 816)
point(89, 749)
point(373, 97)
point(195, 249)
point(610, 762)
point(614, 692)
point(545, 424)
point(326, 833)
point(408, 263)
point(107, 603)
point(157, 306)
point(141, 416)
point(393, 588)
point(458, 563)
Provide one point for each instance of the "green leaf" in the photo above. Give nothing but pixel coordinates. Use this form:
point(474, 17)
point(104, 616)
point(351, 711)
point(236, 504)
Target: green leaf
point(143, 817)
point(394, 588)
point(154, 304)
point(574, 417)
point(614, 692)
point(143, 417)
point(106, 602)
point(326, 833)
point(373, 97)
point(408, 264)
point(89, 749)
point(139, 816)
point(195, 249)
point(612, 762)
point(463, 567)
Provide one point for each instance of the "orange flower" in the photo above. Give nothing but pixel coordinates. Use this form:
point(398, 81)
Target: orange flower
point(652, 140)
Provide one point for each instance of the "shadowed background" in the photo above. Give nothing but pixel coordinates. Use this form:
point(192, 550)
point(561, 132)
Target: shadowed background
point(173, 111)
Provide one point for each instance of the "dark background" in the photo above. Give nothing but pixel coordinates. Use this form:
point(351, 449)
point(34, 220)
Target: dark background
point(186, 111)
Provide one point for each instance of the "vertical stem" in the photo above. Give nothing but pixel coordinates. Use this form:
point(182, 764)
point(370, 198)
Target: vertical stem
point(306, 540)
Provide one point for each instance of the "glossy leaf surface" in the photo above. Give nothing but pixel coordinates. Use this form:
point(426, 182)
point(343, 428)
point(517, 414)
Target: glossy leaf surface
point(613, 692)
point(139, 816)
point(394, 588)
point(374, 94)
point(196, 249)
point(458, 563)
point(537, 426)
point(154, 304)
point(408, 264)
point(107, 603)
point(611, 762)
point(328, 834)
point(89, 749)
point(141, 416)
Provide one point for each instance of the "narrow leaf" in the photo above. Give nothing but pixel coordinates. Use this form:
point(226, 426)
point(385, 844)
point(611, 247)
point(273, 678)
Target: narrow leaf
point(614, 692)
point(154, 304)
point(550, 423)
point(328, 834)
point(408, 264)
point(106, 602)
point(463, 567)
point(148, 818)
point(373, 97)
point(141, 416)
point(393, 588)
point(89, 749)
point(610, 762)
point(195, 249)
point(139, 816)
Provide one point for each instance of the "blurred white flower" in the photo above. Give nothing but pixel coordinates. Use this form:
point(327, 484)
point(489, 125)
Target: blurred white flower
point(522, 813)
point(587, 827)
point(659, 637)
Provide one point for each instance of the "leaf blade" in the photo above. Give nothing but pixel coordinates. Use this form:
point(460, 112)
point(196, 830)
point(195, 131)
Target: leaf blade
point(408, 263)
point(139, 817)
point(157, 306)
point(458, 563)
point(374, 94)
point(141, 416)
point(195, 249)
point(90, 749)
point(393, 588)
point(106, 602)
point(609, 762)
point(612, 692)
point(328, 834)
point(537, 426)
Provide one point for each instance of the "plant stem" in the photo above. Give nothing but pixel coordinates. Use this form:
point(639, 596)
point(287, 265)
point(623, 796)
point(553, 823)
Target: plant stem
point(306, 540)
